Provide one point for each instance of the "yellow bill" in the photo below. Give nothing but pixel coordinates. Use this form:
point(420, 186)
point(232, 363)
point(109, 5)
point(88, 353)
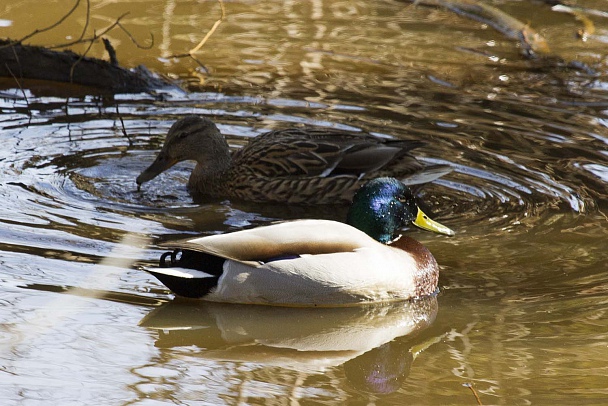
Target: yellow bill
point(423, 221)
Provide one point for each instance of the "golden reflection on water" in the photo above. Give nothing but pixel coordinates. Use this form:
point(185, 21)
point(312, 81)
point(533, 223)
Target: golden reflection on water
point(304, 339)
point(373, 347)
point(274, 43)
point(521, 313)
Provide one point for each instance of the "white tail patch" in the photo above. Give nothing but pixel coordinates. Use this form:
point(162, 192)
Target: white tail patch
point(183, 273)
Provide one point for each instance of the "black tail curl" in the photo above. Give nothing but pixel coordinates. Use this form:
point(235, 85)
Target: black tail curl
point(192, 287)
point(192, 260)
point(162, 263)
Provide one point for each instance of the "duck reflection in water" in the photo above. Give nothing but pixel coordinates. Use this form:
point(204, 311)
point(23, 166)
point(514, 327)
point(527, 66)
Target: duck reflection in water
point(372, 343)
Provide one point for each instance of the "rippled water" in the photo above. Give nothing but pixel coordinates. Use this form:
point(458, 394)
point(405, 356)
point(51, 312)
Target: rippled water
point(522, 311)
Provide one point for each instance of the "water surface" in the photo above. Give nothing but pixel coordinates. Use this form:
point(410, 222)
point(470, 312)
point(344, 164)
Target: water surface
point(521, 315)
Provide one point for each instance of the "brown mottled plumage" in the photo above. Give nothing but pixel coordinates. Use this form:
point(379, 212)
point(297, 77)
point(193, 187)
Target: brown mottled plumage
point(305, 166)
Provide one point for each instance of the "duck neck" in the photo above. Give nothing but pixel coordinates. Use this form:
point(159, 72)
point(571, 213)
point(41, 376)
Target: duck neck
point(206, 175)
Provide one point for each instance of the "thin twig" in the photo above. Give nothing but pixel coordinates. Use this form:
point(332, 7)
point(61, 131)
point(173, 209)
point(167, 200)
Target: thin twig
point(124, 130)
point(95, 36)
point(18, 84)
point(50, 27)
point(470, 386)
point(103, 32)
point(207, 36)
point(199, 63)
point(211, 31)
point(134, 41)
point(86, 21)
point(80, 57)
point(27, 102)
point(68, 118)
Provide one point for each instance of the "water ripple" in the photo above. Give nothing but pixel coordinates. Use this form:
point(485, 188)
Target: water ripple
point(77, 172)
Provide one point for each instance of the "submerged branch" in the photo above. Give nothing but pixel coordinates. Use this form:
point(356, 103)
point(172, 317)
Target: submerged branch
point(211, 31)
point(470, 386)
point(533, 45)
point(532, 42)
point(197, 48)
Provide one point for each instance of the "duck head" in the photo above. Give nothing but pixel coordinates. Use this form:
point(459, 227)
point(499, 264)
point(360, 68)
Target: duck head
point(191, 138)
point(383, 205)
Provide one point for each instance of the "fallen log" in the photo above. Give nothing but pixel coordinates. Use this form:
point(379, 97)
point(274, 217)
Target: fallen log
point(21, 61)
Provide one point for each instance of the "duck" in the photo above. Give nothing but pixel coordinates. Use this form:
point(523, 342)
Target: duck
point(310, 262)
point(306, 166)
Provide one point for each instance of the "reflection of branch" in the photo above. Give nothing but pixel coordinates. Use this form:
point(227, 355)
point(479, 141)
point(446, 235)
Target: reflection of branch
point(124, 130)
point(207, 36)
point(27, 102)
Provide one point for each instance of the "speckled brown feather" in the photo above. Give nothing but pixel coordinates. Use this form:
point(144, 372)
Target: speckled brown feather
point(298, 165)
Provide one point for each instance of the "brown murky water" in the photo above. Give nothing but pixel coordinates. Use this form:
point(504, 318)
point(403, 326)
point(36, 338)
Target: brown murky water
point(521, 316)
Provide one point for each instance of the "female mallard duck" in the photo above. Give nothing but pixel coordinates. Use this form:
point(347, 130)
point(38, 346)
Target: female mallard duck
point(312, 262)
point(305, 166)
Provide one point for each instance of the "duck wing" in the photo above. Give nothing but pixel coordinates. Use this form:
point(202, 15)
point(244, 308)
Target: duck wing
point(313, 152)
point(285, 239)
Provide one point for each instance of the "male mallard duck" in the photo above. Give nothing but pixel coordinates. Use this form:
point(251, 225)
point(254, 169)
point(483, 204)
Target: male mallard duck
point(312, 262)
point(306, 166)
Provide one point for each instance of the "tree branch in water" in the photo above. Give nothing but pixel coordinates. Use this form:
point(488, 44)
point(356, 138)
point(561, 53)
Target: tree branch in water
point(197, 48)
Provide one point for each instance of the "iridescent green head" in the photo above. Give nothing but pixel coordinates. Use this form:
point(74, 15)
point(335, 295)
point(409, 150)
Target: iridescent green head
point(384, 205)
